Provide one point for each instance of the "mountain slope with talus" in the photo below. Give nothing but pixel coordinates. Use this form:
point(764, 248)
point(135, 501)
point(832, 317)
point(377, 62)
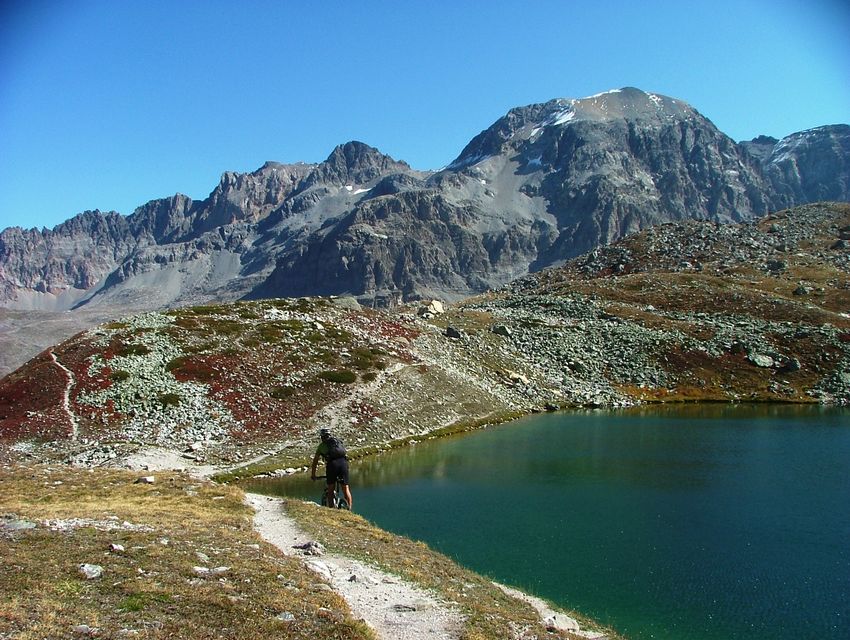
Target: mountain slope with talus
point(691, 311)
point(543, 184)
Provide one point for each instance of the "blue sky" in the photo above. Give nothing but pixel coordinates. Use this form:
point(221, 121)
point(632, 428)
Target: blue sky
point(110, 104)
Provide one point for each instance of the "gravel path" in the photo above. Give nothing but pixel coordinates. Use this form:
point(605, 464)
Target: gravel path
point(66, 395)
point(395, 609)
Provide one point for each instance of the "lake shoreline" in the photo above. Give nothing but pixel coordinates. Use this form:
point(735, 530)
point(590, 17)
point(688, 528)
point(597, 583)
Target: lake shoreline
point(712, 459)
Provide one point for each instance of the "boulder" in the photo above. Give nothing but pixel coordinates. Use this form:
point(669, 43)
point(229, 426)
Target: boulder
point(776, 265)
point(435, 308)
point(791, 365)
point(501, 330)
point(346, 302)
point(91, 571)
point(761, 360)
point(453, 333)
point(515, 377)
point(320, 568)
point(311, 548)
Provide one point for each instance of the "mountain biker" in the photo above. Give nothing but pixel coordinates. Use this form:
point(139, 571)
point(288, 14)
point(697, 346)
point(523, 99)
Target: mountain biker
point(336, 467)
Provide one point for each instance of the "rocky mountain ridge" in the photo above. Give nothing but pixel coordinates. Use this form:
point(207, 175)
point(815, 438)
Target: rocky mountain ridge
point(545, 183)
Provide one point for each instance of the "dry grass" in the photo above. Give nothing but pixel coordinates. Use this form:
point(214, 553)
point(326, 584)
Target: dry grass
point(763, 298)
point(151, 589)
point(491, 614)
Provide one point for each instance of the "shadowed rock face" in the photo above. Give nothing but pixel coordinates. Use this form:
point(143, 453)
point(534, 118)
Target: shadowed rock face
point(543, 184)
point(810, 166)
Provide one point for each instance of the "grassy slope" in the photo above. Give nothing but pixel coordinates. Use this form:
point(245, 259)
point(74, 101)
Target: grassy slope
point(152, 589)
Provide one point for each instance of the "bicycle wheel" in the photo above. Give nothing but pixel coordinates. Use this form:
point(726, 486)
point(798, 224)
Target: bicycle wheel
point(339, 497)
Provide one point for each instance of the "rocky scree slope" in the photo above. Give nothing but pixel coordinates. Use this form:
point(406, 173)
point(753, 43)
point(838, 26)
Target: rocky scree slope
point(545, 183)
point(755, 311)
point(179, 250)
point(681, 312)
point(227, 384)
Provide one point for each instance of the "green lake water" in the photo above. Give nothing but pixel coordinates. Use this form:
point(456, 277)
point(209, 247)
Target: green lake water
point(698, 522)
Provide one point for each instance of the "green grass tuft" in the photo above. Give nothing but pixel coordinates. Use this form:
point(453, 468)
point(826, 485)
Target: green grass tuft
point(339, 376)
point(169, 399)
point(134, 350)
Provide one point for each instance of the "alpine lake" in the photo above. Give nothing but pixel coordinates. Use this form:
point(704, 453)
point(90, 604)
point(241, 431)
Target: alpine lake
point(686, 522)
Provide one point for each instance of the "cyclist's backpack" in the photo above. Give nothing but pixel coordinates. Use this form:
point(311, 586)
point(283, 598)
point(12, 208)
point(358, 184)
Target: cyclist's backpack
point(335, 448)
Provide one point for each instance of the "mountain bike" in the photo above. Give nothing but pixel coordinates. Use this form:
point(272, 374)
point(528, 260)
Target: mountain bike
point(338, 498)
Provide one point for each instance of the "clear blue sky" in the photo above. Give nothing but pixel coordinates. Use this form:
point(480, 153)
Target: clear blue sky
point(108, 104)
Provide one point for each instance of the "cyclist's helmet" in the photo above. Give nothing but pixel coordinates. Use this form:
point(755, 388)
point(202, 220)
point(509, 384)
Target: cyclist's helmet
point(324, 433)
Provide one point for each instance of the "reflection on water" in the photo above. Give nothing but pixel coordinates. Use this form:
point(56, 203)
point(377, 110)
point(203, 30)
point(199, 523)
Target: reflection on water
point(695, 521)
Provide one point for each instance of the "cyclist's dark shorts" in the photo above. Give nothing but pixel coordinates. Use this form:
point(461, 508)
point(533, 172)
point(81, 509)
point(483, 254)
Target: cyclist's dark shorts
point(337, 469)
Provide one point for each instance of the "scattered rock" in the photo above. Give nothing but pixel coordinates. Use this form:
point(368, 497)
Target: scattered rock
point(761, 360)
point(320, 568)
point(501, 330)
point(91, 571)
point(452, 332)
point(311, 548)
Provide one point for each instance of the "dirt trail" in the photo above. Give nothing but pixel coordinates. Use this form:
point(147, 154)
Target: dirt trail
point(394, 608)
point(66, 396)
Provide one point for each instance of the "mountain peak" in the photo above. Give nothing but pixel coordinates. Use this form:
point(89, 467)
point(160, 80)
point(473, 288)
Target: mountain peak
point(352, 153)
point(629, 103)
point(617, 105)
point(357, 162)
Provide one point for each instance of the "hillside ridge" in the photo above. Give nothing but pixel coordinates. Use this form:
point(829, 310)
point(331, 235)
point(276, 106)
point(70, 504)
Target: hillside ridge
point(693, 311)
